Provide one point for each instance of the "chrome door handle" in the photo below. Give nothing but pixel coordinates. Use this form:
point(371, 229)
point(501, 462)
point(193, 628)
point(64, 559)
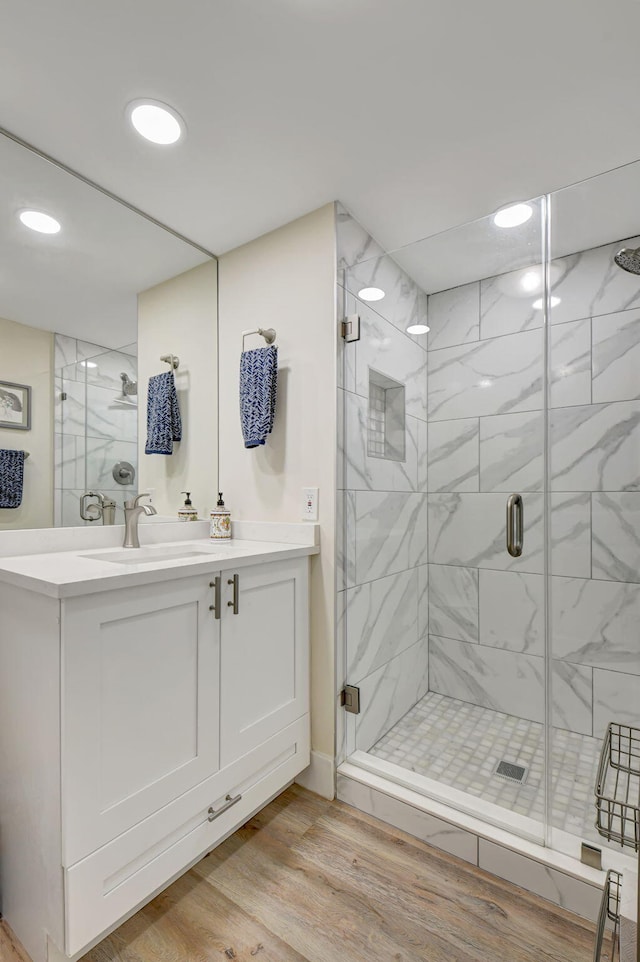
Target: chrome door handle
point(216, 584)
point(515, 525)
point(228, 802)
point(235, 604)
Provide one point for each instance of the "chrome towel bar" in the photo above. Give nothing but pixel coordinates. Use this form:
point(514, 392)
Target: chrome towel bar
point(268, 334)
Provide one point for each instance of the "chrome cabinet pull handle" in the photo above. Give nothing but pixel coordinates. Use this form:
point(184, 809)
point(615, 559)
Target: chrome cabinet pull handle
point(216, 584)
point(235, 604)
point(228, 802)
point(515, 525)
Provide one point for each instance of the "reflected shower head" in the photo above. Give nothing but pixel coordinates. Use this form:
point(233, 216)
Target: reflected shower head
point(629, 259)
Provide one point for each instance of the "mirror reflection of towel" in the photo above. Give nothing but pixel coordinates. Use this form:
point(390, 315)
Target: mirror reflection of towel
point(258, 392)
point(164, 424)
point(11, 478)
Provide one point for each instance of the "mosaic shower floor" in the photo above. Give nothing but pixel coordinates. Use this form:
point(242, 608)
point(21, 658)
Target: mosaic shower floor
point(460, 745)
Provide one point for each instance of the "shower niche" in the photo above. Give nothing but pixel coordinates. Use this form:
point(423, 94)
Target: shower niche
point(386, 418)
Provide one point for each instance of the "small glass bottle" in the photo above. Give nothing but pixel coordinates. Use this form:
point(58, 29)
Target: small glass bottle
point(220, 521)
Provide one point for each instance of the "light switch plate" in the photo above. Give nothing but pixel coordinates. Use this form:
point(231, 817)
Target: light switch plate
point(310, 504)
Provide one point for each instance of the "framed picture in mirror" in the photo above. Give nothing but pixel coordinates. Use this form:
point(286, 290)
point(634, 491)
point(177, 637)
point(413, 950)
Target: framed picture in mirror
point(15, 406)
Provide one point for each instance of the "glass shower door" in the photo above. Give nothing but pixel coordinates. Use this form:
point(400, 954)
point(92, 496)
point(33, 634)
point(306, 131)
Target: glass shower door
point(444, 628)
point(594, 476)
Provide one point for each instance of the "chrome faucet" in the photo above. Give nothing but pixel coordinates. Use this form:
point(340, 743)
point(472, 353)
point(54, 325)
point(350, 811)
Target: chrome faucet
point(132, 512)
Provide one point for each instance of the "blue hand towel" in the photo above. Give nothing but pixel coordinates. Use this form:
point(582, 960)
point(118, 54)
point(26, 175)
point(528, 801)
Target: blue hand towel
point(258, 388)
point(164, 424)
point(11, 478)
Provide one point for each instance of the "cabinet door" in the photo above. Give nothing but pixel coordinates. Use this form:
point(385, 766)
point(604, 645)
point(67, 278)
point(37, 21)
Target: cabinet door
point(140, 705)
point(264, 654)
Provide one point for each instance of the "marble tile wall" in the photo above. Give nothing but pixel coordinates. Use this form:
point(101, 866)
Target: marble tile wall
point(485, 427)
point(94, 429)
point(383, 576)
point(421, 541)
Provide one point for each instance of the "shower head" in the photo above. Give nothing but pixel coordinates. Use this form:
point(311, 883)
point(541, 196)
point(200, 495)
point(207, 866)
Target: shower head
point(129, 387)
point(629, 259)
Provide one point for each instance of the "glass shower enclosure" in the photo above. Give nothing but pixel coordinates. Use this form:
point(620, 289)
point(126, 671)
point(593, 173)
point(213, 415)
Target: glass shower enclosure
point(489, 506)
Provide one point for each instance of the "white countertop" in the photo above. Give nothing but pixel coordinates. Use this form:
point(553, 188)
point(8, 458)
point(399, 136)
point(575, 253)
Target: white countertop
point(66, 574)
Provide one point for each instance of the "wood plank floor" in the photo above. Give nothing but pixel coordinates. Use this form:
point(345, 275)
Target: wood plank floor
point(308, 880)
point(10, 948)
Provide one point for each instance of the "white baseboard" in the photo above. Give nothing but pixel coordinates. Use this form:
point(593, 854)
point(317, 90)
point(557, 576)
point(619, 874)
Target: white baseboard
point(320, 776)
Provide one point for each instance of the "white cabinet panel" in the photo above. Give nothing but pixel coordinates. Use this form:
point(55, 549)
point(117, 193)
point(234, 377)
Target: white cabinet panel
point(155, 714)
point(140, 714)
point(127, 872)
point(264, 654)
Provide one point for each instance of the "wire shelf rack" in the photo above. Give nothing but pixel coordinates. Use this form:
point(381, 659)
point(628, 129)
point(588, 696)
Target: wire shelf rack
point(618, 786)
point(617, 819)
point(609, 912)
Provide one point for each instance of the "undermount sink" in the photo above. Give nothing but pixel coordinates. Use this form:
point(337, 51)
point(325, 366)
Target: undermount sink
point(137, 556)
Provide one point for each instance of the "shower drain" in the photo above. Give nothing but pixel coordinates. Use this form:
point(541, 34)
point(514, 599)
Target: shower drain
point(510, 772)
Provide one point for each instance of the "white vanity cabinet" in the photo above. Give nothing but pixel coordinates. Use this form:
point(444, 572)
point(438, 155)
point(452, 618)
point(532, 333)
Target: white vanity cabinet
point(172, 711)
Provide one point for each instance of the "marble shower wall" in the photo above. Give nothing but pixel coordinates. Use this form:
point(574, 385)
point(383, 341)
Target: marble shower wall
point(486, 439)
point(93, 429)
point(382, 504)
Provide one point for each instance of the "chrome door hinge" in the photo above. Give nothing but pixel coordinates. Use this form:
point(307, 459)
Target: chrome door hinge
point(350, 699)
point(350, 328)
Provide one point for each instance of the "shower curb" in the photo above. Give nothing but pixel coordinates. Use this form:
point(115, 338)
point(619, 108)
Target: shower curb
point(552, 875)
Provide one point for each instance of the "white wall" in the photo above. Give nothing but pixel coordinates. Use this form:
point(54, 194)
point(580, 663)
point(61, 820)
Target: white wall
point(179, 317)
point(286, 280)
point(26, 357)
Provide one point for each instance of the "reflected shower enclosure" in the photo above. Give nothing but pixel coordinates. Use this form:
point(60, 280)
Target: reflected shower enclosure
point(96, 430)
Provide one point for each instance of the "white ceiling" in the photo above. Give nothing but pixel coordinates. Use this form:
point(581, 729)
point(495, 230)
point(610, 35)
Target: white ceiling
point(418, 114)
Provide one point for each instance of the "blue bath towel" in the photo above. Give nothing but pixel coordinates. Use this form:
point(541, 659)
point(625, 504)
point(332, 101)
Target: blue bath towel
point(11, 478)
point(164, 424)
point(258, 387)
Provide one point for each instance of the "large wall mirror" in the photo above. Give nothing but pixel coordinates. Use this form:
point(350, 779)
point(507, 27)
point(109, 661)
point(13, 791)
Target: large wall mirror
point(91, 297)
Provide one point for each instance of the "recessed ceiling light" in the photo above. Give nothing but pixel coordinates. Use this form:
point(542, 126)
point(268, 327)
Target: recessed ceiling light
point(156, 122)
point(530, 281)
point(88, 364)
point(371, 294)
point(539, 304)
point(418, 329)
point(38, 220)
point(513, 216)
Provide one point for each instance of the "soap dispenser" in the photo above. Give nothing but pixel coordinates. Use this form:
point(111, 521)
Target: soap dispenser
point(220, 521)
point(187, 512)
